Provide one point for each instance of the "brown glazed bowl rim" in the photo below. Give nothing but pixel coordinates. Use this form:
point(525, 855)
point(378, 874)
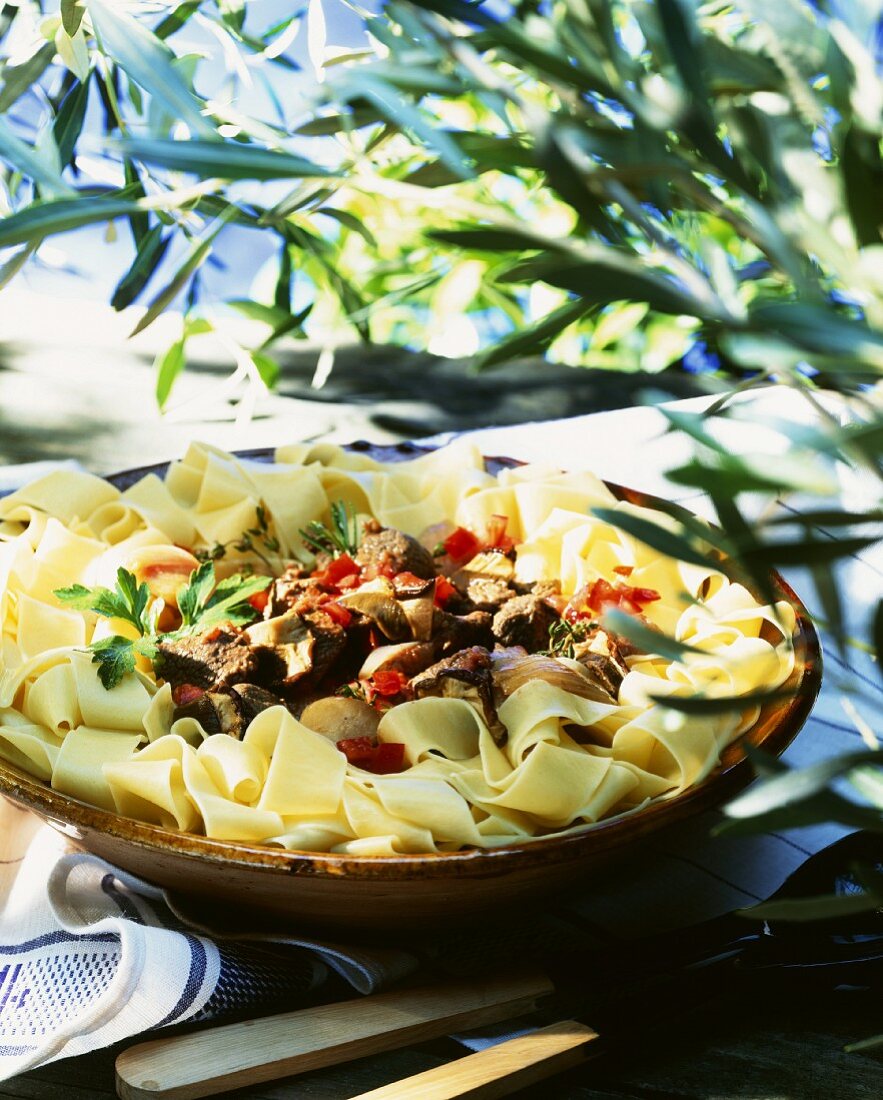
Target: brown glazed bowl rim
point(778, 724)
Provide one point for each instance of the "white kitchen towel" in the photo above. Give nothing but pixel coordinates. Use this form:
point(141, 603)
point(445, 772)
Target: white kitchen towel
point(89, 955)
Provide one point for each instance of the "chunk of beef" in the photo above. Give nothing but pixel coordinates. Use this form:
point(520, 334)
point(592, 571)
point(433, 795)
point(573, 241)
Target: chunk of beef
point(216, 658)
point(525, 620)
point(488, 594)
point(603, 655)
point(254, 699)
point(451, 633)
point(391, 551)
point(229, 711)
point(464, 675)
point(294, 591)
point(329, 641)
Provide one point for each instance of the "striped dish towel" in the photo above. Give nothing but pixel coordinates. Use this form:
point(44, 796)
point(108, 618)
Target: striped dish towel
point(89, 955)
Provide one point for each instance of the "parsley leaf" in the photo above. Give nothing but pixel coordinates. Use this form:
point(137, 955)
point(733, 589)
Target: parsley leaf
point(204, 603)
point(192, 597)
point(127, 602)
point(115, 658)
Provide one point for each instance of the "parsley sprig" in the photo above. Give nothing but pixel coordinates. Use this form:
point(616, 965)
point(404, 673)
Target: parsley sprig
point(342, 537)
point(128, 601)
point(203, 602)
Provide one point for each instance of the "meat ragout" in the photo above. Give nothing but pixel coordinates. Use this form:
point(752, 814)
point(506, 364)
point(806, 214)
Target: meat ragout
point(391, 621)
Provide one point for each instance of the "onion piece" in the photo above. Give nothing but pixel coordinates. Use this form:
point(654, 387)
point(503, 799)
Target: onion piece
point(512, 672)
point(407, 657)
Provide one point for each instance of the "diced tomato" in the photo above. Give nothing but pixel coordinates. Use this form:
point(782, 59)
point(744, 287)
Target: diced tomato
point(408, 580)
point(353, 580)
point(389, 683)
point(374, 570)
point(338, 613)
point(341, 567)
point(623, 570)
point(596, 598)
point(389, 757)
point(186, 693)
point(461, 544)
point(356, 749)
point(260, 600)
point(497, 539)
point(382, 759)
point(444, 591)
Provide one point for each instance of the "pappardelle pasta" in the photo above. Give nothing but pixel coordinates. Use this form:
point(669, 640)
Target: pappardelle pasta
point(334, 654)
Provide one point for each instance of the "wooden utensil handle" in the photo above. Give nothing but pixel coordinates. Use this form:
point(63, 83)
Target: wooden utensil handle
point(498, 1070)
point(219, 1059)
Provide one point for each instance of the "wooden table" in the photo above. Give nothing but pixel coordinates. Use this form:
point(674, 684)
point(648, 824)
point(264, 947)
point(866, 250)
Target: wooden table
point(93, 401)
point(731, 1049)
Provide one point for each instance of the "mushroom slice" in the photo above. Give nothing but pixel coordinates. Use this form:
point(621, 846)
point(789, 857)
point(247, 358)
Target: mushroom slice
point(407, 657)
point(290, 638)
point(510, 672)
point(384, 610)
point(486, 563)
point(465, 675)
point(338, 718)
point(216, 712)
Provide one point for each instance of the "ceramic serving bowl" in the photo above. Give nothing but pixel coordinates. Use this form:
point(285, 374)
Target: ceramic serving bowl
point(361, 894)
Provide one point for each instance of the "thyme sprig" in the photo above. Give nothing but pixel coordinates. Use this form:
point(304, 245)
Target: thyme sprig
point(564, 636)
point(341, 537)
point(251, 541)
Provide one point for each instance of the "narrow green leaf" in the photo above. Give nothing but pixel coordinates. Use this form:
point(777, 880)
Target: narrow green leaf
point(701, 705)
point(796, 785)
point(193, 259)
point(667, 542)
point(823, 907)
point(71, 16)
point(149, 62)
point(491, 238)
point(31, 163)
point(18, 79)
point(68, 122)
point(353, 119)
point(351, 222)
point(229, 160)
point(645, 637)
point(613, 278)
point(11, 267)
point(806, 552)
point(863, 182)
point(534, 338)
point(148, 257)
point(397, 110)
point(267, 368)
point(168, 365)
point(176, 19)
point(233, 13)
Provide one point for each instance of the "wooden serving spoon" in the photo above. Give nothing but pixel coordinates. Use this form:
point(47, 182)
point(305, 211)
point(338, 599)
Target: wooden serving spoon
point(684, 965)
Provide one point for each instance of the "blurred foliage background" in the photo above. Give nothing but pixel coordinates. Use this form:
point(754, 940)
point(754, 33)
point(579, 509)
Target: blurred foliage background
point(667, 185)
